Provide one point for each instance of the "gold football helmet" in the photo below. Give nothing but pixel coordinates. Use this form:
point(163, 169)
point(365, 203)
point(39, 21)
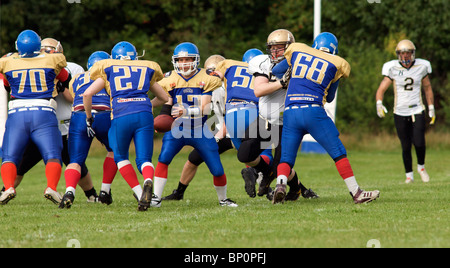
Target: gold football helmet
point(51, 45)
point(212, 61)
point(405, 46)
point(279, 37)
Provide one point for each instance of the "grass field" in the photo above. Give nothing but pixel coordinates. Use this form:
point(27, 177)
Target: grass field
point(415, 215)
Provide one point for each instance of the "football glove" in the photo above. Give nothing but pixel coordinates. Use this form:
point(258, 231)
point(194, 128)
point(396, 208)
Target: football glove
point(90, 130)
point(381, 110)
point(286, 77)
point(431, 113)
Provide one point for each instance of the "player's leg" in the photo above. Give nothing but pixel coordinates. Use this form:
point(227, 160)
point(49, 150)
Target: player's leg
point(143, 139)
point(324, 131)
point(420, 145)
point(15, 140)
point(209, 151)
point(120, 136)
point(47, 137)
point(170, 147)
point(291, 138)
point(403, 125)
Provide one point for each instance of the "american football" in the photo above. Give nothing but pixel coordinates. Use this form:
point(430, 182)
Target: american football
point(163, 123)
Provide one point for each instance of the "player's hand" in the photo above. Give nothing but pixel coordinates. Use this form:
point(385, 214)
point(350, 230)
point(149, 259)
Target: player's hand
point(381, 110)
point(431, 113)
point(90, 130)
point(286, 77)
point(177, 111)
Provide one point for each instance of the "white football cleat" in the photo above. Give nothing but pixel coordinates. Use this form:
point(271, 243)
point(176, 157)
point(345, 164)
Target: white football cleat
point(53, 195)
point(228, 203)
point(362, 196)
point(424, 175)
point(156, 201)
point(409, 180)
point(7, 195)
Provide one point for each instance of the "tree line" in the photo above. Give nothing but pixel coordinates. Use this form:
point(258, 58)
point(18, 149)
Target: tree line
point(368, 32)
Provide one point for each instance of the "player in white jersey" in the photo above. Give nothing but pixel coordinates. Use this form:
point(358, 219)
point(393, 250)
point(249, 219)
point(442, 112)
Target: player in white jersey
point(409, 75)
point(271, 107)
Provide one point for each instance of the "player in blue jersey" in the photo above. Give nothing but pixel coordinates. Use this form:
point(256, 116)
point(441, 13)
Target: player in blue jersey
point(314, 74)
point(80, 137)
point(31, 76)
point(190, 89)
point(128, 80)
point(241, 106)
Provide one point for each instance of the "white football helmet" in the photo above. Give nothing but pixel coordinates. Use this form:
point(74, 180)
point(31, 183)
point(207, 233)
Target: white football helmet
point(51, 45)
point(408, 46)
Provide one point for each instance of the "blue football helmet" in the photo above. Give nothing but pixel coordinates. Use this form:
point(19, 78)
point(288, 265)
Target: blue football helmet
point(250, 54)
point(28, 43)
point(326, 42)
point(186, 50)
point(124, 51)
point(97, 56)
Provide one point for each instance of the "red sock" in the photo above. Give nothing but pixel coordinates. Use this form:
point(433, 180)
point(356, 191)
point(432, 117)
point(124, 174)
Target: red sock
point(53, 174)
point(284, 169)
point(161, 170)
point(9, 174)
point(148, 171)
point(220, 180)
point(109, 170)
point(129, 175)
point(344, 168)
point(72, 177)
point(266, 159)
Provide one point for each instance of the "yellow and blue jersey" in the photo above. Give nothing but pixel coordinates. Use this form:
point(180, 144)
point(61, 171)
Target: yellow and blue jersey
point(238, 82)
point(78, 86)
point(188, 92)
point(128, 83)
point(313, 72)
point(33, 78)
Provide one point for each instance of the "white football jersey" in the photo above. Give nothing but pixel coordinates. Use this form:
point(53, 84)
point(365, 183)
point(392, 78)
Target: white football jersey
point(218, 104)
point(271, 107)
point(407, 85)
point(64, 108)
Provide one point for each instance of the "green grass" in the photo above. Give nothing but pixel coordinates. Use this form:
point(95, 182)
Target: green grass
point(415, 215)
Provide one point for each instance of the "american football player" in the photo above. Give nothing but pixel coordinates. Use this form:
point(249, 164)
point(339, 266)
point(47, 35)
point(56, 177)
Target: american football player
point(190, 89)
point(80, 139)
point(271, 106)
point(409, 76)
point(127, 81)
point(312, 75)
point(31, 76)
point(64, 100)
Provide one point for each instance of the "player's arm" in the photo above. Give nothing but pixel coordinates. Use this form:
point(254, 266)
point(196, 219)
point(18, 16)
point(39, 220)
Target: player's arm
point(93, 89)
point(332, 91)
point(160, 95)
point(430, 97)
point(384, 85)
point(263, 87)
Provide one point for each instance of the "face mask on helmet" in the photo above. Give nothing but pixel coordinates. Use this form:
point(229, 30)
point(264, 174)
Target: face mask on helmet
point(406, 52)
point(185, 50)
point(277, 42)
point(50, 45)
